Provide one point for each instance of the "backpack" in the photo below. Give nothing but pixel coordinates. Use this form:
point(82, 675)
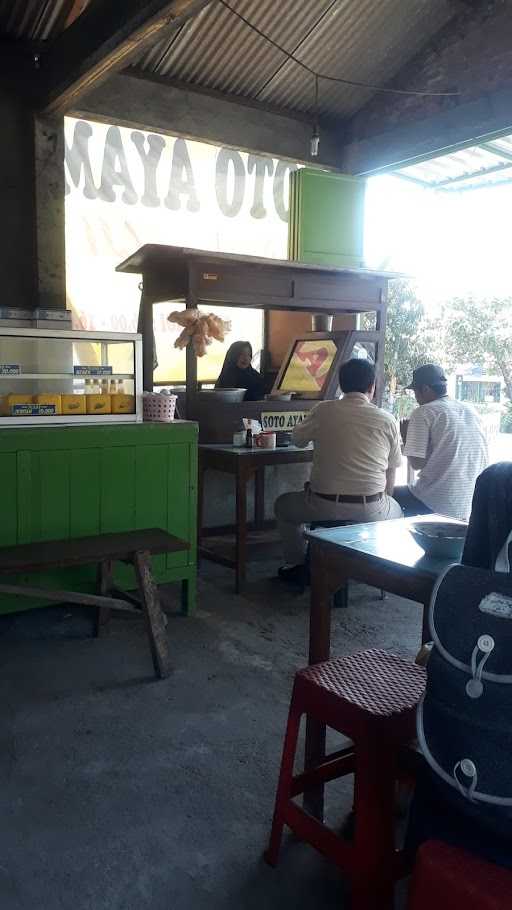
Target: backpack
point(464, 721)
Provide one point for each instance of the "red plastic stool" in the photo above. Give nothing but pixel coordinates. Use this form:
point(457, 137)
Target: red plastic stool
point(446, 878)
point(370, 697)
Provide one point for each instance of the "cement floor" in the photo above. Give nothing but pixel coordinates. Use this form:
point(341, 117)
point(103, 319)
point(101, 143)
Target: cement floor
point(123, 793)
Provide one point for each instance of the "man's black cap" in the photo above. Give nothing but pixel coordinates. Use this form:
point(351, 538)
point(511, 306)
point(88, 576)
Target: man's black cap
point(429, 374)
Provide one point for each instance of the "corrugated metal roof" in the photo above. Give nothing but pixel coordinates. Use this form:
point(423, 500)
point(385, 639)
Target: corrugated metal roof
point(37, 20)
point(485, 164)
point(217, 50)
point(362, 40)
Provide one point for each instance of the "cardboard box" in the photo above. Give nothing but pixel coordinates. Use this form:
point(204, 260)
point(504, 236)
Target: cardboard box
point(47, 398)
point(8, 401)
point(98, 404)
point(123, 404)
point(74, 404)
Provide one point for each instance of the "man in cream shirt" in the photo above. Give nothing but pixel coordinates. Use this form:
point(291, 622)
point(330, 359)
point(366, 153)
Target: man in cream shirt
point(357, 451)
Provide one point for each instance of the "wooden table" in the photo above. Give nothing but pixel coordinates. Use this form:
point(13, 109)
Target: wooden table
point(244, 464)
point(381, 553)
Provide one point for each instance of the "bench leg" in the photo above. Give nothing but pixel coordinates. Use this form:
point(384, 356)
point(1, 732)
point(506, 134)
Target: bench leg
point(188, 595)
point(155, 619)
point(105, 585)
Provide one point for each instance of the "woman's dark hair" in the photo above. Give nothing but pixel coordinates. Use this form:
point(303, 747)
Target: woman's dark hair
point(356, 375)
point(234, 351)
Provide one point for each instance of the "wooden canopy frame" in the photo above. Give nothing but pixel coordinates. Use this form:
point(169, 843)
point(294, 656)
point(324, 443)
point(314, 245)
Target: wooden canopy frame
point(202, 278)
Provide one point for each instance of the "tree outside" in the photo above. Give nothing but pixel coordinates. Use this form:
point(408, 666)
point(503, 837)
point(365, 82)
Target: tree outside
point(410, 336)
point(480, 332)
point(465, 331)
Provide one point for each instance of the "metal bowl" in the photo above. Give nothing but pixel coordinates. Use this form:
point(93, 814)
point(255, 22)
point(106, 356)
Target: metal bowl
point(230, 395)
point(442, 539)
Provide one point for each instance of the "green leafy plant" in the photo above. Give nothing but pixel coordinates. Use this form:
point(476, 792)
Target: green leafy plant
point(479, 331)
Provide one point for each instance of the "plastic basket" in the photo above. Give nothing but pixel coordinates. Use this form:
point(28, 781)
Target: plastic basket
point(159, 408)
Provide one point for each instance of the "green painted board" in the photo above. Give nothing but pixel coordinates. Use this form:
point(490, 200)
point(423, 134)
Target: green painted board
point(117, 486)
point(85, 492)
point(327, 218)
point(71, 482)
point(151, 482)
point(9, 499)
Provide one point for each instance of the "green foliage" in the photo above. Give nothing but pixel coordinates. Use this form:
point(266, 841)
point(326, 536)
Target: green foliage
point(480, 332)
point(506, 420)
point(410, 336)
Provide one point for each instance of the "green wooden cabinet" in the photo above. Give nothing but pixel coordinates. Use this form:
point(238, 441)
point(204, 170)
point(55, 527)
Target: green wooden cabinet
point(326, 221)
point(65, 482)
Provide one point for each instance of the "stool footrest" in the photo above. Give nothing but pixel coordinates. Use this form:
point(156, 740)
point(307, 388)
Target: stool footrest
point(336, 765)
point(319, 835)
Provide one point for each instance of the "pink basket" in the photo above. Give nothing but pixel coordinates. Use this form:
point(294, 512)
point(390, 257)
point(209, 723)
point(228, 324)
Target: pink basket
point(159, 408)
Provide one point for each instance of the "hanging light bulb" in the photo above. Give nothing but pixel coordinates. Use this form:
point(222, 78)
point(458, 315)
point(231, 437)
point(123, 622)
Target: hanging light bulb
point(315, 138)
point(315, 141)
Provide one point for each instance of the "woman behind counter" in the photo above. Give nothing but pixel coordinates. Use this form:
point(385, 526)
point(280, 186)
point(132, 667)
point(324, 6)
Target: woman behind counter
point(238, 373)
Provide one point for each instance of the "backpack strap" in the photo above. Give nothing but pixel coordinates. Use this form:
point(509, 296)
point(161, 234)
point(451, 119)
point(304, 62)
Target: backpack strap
point(484, 644)
point(464, 768)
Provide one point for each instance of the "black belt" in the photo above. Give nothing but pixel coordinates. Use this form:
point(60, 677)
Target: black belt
point(334, 497)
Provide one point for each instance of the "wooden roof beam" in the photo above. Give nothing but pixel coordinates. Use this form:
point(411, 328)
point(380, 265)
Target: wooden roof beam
point(104, 39)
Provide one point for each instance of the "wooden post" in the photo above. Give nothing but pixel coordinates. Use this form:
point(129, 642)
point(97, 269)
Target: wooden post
point(190, 354)
point(259, 497)
point(148, 340)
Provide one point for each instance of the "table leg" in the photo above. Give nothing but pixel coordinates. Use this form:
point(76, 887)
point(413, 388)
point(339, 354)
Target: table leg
point(314, 753)
point(259, 497)
point(319, 650)
point(320, 605)
point(155, 619)
point(188, 595)
point(241, 527)
point(105, 585)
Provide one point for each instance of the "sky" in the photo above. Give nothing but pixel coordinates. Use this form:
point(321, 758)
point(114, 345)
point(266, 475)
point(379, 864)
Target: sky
point(451, 244)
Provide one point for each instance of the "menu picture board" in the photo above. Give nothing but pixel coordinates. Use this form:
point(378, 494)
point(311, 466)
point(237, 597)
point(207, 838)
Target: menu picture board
point(309, 366)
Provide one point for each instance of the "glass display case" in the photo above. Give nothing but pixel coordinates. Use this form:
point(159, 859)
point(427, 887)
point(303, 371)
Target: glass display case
point(64, 377)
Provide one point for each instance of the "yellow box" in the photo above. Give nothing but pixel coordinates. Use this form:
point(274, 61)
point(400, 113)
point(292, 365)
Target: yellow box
point(47, 398)
point(74, 404)
point(98, 404)
point(123, 404)
point(9, 400)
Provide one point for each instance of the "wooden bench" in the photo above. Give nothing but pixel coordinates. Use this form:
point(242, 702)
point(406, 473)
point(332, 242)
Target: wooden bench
point(132, 547)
